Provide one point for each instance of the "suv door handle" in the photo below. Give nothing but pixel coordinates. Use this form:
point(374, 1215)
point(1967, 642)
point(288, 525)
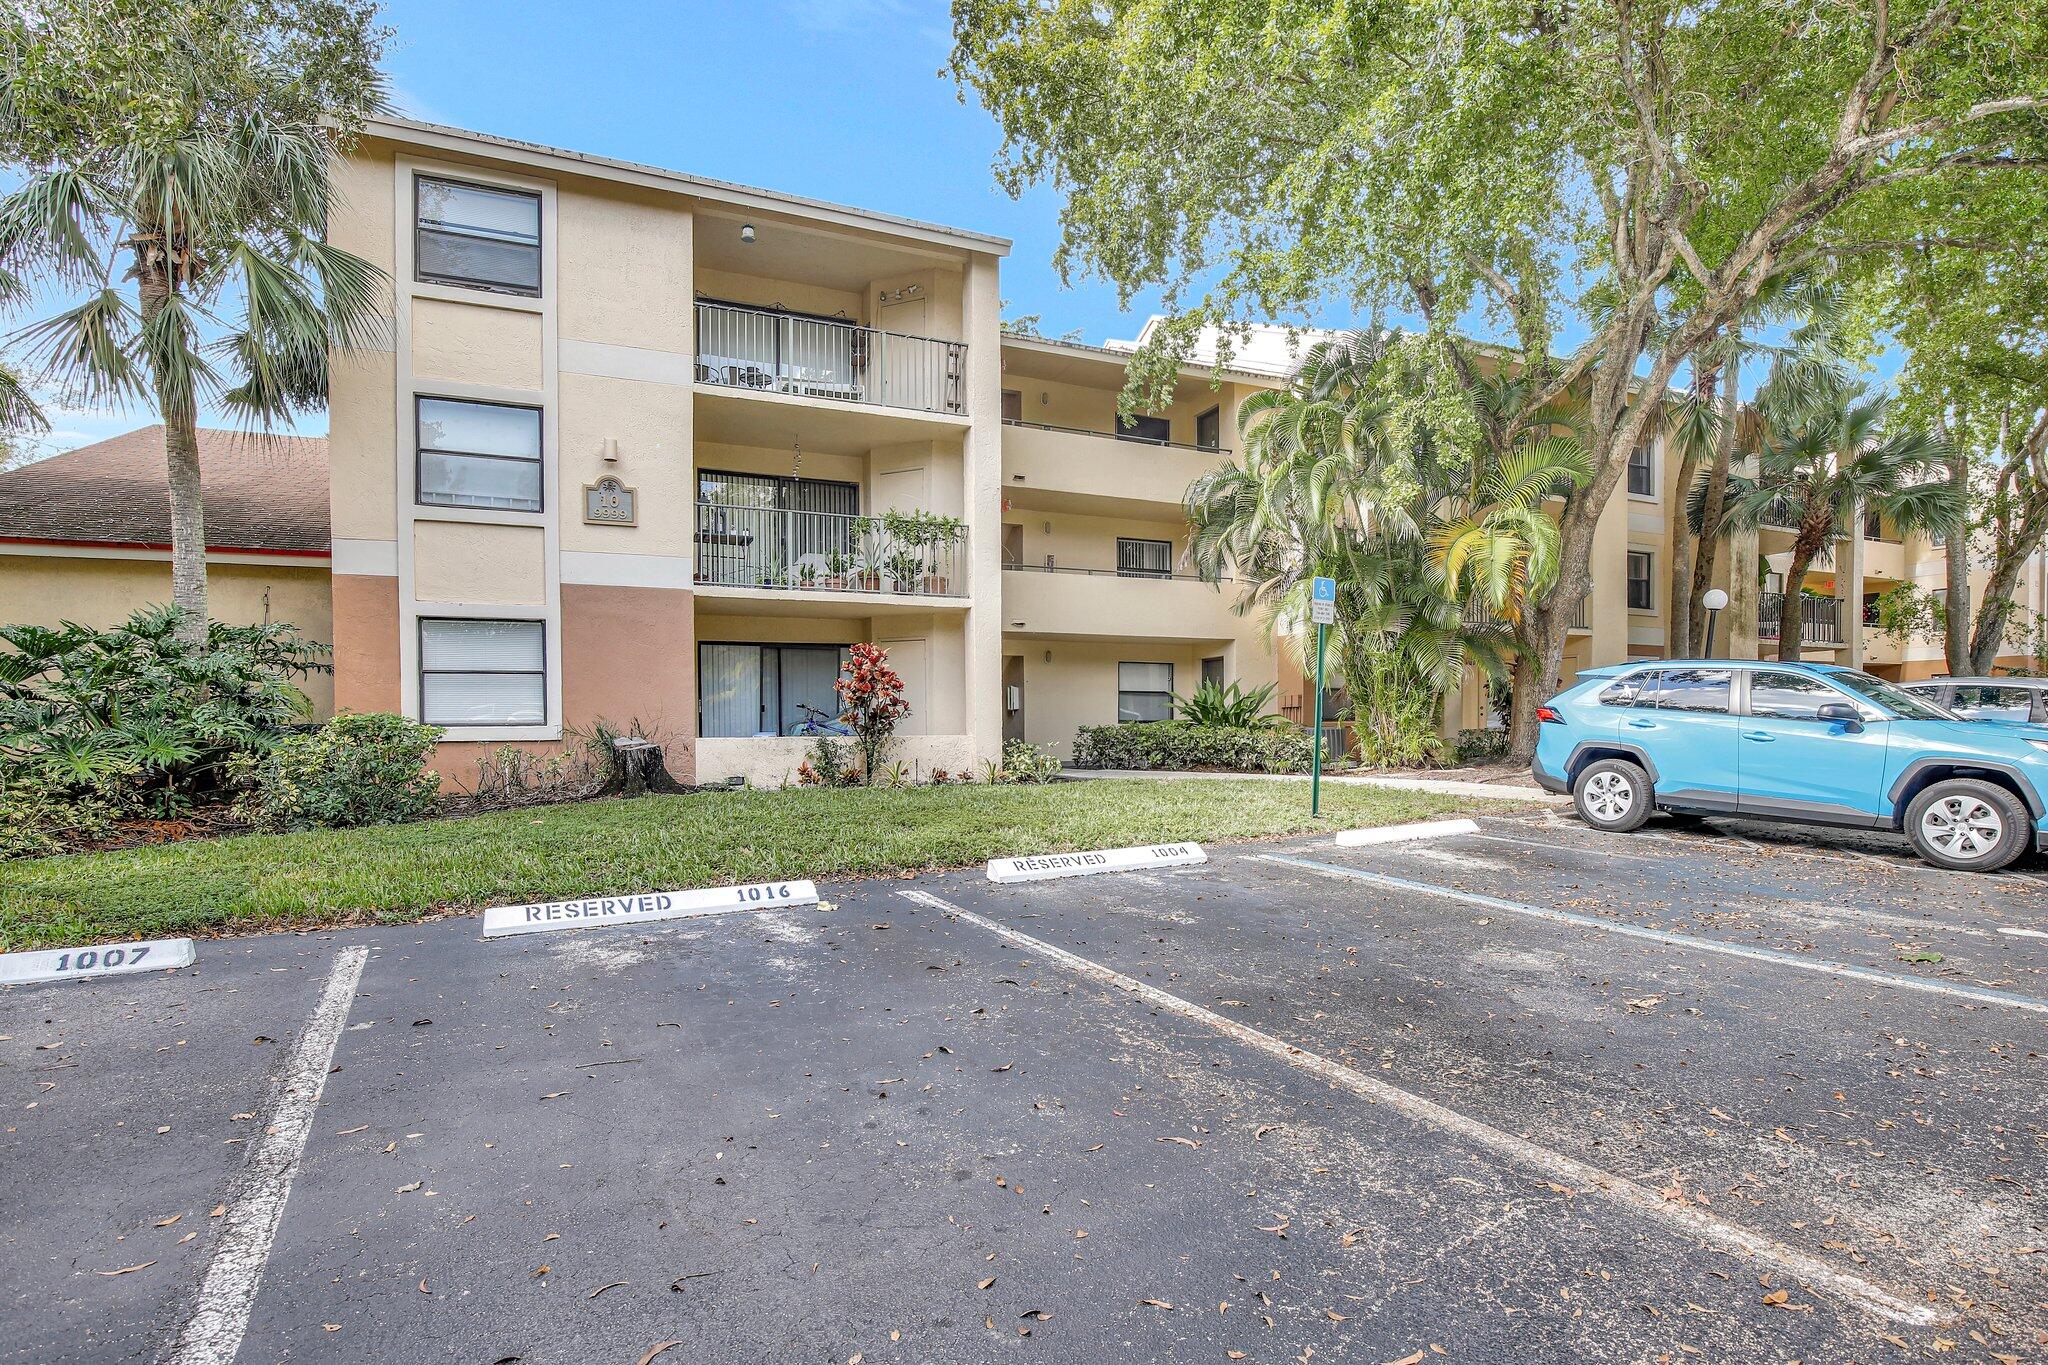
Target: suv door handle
point(1760, 736)
point(1642, 724)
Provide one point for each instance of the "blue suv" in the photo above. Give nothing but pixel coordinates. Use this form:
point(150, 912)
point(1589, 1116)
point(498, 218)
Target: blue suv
point(1810, 743)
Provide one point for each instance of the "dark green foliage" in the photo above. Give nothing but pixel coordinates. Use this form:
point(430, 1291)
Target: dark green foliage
point(1180, 745)
point(1230, 705)
point(354, 770)
point(139, 718)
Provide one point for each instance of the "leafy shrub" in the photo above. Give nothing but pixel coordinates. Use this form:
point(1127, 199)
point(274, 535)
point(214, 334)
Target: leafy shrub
point(1178, 744)
point(38, 817)
point(354, 770)
point(872, 694)
point(1026, 763)
point(1402, 734)
point(137, 717)
point(1482, 746)
point(1230, 706)
point(829, 765)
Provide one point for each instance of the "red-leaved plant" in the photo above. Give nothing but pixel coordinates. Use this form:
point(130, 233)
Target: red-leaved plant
point(872, 696)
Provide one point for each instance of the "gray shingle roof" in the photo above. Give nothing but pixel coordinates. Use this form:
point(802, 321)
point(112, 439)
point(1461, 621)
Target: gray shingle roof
point(263, 493)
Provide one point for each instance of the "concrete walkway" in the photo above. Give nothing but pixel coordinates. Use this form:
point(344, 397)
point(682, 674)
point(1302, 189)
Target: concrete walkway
point(1497, 791)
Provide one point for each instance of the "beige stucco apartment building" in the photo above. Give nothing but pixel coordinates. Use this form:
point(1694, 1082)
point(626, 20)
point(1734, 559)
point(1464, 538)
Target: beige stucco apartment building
point(651, 448)
point(627, 452)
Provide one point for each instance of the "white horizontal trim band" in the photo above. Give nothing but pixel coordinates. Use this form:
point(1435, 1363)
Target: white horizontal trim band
point(607, 361)
point(370, 558)
point(593, 568)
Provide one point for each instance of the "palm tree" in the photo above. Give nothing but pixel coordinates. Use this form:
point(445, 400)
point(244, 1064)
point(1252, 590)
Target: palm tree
point(1324, 490)
point(204, 278)
point(1495, 545)
point(19, 415)
point(1826, 455)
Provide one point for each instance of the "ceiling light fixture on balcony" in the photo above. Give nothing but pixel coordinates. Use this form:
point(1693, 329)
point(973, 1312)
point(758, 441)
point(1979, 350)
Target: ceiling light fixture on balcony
point(747, 233)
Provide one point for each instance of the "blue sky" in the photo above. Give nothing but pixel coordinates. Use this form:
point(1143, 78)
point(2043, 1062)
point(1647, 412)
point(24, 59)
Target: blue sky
point(834, 99)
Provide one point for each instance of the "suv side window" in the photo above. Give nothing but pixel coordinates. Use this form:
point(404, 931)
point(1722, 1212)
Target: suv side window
point(1695, 689)
point(1788, 696)
point(1636, 689)
point(2002, 703)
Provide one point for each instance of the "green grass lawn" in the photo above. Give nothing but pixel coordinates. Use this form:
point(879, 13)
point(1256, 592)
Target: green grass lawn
point(402, 872)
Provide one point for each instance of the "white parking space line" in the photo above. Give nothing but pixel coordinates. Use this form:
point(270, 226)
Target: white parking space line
point(1982, 995)
point(1553, 1166)
point(213, 1334)
point(2024, 933)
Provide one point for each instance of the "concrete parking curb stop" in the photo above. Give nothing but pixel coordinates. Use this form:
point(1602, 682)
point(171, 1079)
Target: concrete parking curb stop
point(1398, 834)
point(503, 921)
point(1045, 866)
point(106, 959)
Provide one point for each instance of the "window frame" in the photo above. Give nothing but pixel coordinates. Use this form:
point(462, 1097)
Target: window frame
point(1749, 684)
point(1122, 692)
point(779, 646)
point(1648, 580)
point(421, 671)
point(1737, 694)
point(539, 460)
point(421, 275)
point(1132, 432)
point(1648, 467)
point(1212, 414)
point(1122, 572)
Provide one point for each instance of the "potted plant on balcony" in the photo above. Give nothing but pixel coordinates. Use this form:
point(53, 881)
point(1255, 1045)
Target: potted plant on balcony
point(836, 565)
point(906, 569)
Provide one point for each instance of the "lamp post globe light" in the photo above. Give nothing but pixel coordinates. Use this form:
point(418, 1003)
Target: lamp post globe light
point(1713, 600)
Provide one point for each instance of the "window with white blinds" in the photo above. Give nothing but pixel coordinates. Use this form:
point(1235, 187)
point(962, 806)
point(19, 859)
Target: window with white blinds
point(1144, 692)
point(477, 235)
point(483, 672)
point(478, 455)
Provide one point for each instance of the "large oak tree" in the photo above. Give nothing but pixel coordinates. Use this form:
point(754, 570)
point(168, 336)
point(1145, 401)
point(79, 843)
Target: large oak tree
point(1636, 172)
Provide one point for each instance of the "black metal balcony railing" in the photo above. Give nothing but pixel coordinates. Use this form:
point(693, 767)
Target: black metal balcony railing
point(760, 349)
point(1116, 436)
point(767, 547)
point(1156, 575)
point(1478, 614)
point(1820, 621)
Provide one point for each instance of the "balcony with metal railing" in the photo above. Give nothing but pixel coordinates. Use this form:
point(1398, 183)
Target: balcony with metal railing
point(775, 550)
point(1820, 621)
point(761, 350)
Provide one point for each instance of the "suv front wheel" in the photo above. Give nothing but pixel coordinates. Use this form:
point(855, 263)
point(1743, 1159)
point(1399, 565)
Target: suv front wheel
point(1967, 825)
point(1613, 794)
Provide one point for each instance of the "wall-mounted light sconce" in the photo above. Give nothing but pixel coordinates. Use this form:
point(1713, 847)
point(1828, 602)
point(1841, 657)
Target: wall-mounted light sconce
point(747, 233)
point(1048, 656)
point(1044, 398)
point(610, 450)
point(903, 295)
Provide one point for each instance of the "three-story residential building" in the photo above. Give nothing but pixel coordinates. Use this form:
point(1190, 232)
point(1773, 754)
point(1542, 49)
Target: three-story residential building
point(644, 447)
point(650, 447)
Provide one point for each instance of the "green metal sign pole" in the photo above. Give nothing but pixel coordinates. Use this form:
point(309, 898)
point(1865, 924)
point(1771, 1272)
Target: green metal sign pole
point(1315, 786)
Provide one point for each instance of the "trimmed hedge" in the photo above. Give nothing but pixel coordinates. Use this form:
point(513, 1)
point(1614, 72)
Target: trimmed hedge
point(1179, 744)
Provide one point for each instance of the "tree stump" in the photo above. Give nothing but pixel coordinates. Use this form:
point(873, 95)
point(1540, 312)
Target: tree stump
point(639, 767)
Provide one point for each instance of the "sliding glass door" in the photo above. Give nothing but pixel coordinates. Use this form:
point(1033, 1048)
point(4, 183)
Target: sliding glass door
point(744, 690)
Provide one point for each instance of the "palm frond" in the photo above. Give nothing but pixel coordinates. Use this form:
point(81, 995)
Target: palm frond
point(88, 349)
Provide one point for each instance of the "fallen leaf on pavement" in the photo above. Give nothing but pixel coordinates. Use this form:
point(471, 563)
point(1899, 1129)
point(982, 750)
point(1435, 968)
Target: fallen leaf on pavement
point(615, 1284)
point(657, 1349)
point(126, 1269)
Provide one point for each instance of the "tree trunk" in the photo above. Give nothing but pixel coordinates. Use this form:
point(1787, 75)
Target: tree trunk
point(1686, 546)
point(1539, 659)
point(1792, 602)
point(1956, 596)
point(1707, 556)
point(181, 452)
point(1987, 639)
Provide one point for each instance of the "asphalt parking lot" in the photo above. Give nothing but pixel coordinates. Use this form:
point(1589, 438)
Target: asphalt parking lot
point(1536, 1093)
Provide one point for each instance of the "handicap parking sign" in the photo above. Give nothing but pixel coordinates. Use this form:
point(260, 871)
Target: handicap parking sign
point(1322, 607)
